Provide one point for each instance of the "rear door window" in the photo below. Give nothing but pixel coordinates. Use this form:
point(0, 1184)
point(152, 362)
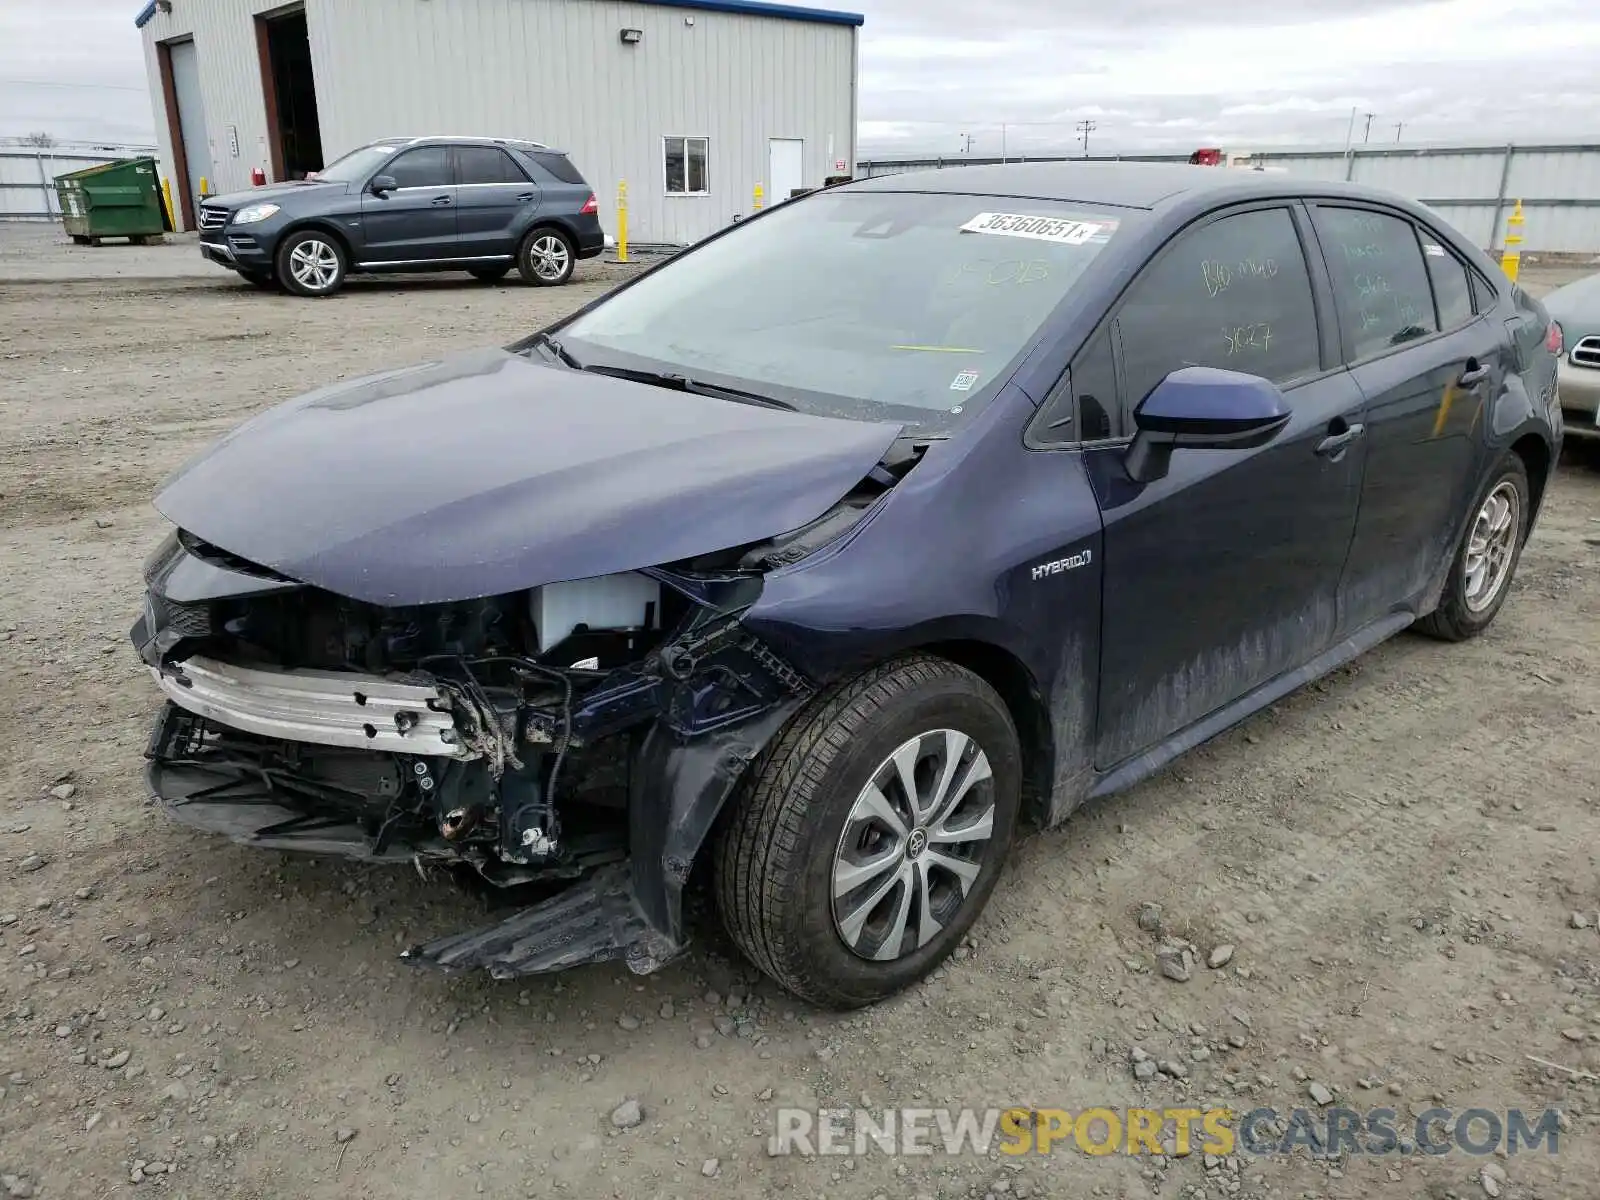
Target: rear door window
point(426, 166)
point(1380, 284)
point(1452, 287)
point(558, 165)
point(1234, 293)
point(486, 164)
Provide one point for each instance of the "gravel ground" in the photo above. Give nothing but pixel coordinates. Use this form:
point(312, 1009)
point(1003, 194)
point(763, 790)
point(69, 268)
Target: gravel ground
point(1401, 856)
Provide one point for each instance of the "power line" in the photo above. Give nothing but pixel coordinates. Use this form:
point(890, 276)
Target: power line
point(105, 87)
point(1085, 127)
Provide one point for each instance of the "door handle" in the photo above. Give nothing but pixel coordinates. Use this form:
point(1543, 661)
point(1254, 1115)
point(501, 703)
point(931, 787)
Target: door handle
point(1473, 375)
point(1336, 444)
point(526, 196)
point(441, 201)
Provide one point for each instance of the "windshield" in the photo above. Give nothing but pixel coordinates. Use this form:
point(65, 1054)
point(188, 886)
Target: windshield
point(900, 306)
point(355, 166)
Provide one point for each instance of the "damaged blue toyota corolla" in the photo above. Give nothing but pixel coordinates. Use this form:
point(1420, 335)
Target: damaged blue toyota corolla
point(825, 553)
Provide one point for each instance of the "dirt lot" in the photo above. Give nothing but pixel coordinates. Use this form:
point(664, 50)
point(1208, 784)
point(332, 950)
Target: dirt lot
point(1399, 855)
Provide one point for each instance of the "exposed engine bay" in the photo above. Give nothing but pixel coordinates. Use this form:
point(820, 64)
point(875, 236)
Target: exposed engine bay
point(545, 735)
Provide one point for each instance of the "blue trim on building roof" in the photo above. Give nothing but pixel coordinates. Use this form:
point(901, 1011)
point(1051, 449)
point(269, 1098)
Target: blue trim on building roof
point(759, 8)
point(749, 8)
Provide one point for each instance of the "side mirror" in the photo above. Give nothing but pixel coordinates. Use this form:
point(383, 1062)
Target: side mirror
point(1203, 408)
point(379, 184)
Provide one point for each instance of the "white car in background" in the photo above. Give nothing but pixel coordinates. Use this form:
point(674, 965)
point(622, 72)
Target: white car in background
point(1576, 308)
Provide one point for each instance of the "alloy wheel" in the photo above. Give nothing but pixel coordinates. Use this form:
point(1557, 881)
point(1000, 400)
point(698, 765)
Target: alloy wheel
point(314, 265)
point(1491, 546)
point(913, 845)
point(547, 254)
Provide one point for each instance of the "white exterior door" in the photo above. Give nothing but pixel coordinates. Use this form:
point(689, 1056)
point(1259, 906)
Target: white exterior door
point(191, 120)
point(785, 167)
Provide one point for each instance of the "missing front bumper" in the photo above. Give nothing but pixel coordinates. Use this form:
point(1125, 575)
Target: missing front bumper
point(326, 708)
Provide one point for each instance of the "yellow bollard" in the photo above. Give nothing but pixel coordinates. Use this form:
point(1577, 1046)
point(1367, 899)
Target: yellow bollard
point(205, 189)
point(622, 221)
point(756, 203)
point(1511, 257)
point(166, 201)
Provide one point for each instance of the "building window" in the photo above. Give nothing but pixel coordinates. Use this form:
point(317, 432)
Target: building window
point(688, 170)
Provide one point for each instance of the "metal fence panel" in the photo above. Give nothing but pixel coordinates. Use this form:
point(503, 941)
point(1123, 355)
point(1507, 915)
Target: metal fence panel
point(1472, 186)
point(28, 176)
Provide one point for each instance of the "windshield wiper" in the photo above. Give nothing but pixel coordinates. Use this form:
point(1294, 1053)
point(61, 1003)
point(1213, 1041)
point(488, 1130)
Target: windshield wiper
point(556, 348)
point(695, 387)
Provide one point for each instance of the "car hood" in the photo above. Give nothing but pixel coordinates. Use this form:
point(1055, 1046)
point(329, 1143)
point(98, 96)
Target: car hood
point(233, 201)
point(488, 473)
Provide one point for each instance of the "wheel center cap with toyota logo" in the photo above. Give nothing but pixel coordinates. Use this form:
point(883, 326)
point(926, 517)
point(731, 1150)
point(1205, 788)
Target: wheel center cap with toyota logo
point(916, 843)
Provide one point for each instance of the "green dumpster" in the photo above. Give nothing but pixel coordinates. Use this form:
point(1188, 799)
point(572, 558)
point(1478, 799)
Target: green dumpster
point(115, 199)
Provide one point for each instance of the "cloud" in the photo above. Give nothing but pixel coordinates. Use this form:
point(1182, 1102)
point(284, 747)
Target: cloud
point(1151, 74)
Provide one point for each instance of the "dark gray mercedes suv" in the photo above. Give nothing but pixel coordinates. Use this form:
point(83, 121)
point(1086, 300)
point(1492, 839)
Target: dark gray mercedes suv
point(475, 204)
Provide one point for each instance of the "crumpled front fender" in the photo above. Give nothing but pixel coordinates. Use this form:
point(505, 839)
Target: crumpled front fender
point(679, 789)
point(632, 912)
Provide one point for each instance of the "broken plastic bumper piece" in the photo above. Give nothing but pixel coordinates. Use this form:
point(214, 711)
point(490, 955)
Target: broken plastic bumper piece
point(595, 920)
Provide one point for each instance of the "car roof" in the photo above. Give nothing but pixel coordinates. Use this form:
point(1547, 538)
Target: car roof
point(465, 138)
point(1120, 184)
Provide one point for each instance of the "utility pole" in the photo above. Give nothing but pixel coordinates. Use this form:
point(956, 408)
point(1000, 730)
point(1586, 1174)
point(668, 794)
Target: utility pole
point(1367, 132)
point(1398, 126)
point(1086, 127)
point(966, 143)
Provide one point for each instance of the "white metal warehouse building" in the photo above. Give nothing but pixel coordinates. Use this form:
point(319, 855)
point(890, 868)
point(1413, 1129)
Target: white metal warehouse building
point(693, 103)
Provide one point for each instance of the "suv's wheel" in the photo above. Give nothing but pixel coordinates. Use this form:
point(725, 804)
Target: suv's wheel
point(260, 279)
point(489, 274)
point(311, 263)
point(546, 257)
point(1487, 558)
point(868, 839)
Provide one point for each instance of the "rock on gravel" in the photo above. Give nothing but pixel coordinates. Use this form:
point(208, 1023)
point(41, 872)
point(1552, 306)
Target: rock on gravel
point(627, 1115)
point(709, 1168)
point(119, 1059)
point(32, 862)
point(344, 1134)
point(1220, 957)
point(1320, 1093)
point(1174, 962)
point(1150, 917)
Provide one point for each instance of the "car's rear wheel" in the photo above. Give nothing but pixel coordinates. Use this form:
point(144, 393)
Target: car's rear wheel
point(868, 839)
point(546, 257)
point(489, 274)
point(1485, 562)
point(311, 263)
point(260, 279)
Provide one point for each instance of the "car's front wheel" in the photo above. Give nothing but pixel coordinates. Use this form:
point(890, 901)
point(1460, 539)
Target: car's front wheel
point(1487, 558)
point(868, 839)
point(310, 263)
point(546, 257)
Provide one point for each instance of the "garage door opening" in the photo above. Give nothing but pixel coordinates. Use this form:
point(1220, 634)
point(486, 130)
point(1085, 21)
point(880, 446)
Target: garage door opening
point(293, 137)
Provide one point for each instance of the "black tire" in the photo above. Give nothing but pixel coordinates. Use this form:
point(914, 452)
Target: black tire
point(489, 274)
point(303, 282)
point(546, 257)
point(777, 847)
point(1458, 616)
point(260, 279)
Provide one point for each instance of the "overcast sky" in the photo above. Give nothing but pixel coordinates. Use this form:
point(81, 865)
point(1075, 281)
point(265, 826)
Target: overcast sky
point(1151, 74)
